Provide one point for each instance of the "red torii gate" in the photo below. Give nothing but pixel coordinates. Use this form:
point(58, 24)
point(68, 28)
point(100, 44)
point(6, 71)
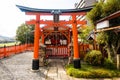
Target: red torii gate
point(56, 13)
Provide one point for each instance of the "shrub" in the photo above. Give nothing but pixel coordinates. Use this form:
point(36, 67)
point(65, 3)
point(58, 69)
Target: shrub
point(88, 71)
point(70, 71)
point(109, 64)
point(94, 57)
point(79, 73)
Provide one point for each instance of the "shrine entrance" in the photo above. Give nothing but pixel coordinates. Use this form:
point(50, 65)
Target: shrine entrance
point(56, 44)
point(56, 33)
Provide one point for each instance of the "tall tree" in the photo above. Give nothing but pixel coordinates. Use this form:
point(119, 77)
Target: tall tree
point(24, 33)
point(111, 39)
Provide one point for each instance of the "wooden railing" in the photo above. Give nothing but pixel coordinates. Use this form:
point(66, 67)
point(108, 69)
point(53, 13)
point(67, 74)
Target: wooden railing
point(8, 51)
point(57, 51)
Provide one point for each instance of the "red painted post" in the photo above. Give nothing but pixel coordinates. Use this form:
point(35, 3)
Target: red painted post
point(15, 48)
point(5, 52)
point(26, 46)
point(35, 63)
point(75, 43)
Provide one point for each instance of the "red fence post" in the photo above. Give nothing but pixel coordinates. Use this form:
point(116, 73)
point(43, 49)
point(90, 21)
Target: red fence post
point(5, 54)
point(15, 48)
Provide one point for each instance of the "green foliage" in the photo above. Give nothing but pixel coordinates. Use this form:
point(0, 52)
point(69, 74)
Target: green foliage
point(109, 64)
point(110, 6)
point(9, 44)
point(94, 57)
point(102, 38)
point(24, 33)
point(87, 71)
point(95, 13)
point(110, 39)
point(101, 73)
point(79, 73)
point(85, 32)
point(102, 9)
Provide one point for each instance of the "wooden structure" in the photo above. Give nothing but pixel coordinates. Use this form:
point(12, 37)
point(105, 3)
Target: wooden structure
point(56, 33)
point(112, 16)
point(114, 27)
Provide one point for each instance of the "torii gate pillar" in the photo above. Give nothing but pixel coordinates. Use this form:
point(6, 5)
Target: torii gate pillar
point(75, 43)
point(35, 62)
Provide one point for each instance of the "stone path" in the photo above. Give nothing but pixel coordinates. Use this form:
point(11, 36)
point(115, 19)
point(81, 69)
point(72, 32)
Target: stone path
point(56, 70)
point(18, 67)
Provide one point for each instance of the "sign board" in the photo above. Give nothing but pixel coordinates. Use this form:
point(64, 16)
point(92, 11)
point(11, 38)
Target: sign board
point(102, 24)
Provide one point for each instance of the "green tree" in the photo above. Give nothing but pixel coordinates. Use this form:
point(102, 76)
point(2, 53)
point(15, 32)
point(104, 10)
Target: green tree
point(24, 33)
point(95, 13)
point(84, 33)
point(110, 39)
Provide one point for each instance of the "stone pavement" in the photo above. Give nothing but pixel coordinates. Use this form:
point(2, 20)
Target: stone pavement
point(18, 67)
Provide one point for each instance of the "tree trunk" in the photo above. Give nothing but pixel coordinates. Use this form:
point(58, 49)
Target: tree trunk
point(118, 61)
point(109, 52)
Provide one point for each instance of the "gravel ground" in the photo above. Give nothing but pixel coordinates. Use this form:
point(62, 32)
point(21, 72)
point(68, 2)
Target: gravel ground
point(18, 67)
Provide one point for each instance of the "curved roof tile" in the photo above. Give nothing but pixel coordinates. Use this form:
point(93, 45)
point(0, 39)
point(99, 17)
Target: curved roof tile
point(28, 9)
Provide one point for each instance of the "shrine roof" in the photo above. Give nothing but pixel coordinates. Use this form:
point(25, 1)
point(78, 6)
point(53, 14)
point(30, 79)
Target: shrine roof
point(28, 9)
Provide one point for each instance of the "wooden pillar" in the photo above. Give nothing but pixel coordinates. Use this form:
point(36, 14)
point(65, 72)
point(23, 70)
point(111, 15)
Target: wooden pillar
point(35, 64)
point(69, 43)
point(75, 43)
point(42, 38)
point(69, 37)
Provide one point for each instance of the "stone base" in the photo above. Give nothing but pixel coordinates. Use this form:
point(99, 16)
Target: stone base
point(35, 64)
point(77, 63)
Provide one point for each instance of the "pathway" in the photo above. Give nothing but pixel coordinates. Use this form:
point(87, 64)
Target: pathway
point(18, 67)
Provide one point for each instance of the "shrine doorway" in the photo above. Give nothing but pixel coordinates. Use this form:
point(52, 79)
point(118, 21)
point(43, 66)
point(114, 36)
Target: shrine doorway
point(56, 44)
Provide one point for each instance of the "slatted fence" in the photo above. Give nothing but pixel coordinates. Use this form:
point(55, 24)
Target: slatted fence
point(57, 51)
point(8, 51)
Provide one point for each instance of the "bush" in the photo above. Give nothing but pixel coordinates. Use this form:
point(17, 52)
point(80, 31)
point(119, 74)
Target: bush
point(101, 73)
point(94, 58)
point(87, 71)
point(109, 64)
point(93, 73)
point(79, 73)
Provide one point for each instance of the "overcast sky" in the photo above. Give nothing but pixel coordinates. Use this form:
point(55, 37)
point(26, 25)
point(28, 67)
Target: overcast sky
point(11, 17)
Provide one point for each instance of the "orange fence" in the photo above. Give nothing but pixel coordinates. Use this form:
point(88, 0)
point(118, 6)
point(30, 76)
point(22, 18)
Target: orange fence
point(7, 51)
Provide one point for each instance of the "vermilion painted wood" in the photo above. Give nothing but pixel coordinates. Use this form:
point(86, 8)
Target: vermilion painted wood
point(8, 51)
point(75, 37)
point(37, 36)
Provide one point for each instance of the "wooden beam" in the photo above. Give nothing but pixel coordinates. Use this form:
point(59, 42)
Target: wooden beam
point(111, 16)
point(63, 26)
point(31, 22)
point(52, 23)
point(47, 14)
point(81, 22)
point(107, 29)
point(36, 13)
point(79, 13)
